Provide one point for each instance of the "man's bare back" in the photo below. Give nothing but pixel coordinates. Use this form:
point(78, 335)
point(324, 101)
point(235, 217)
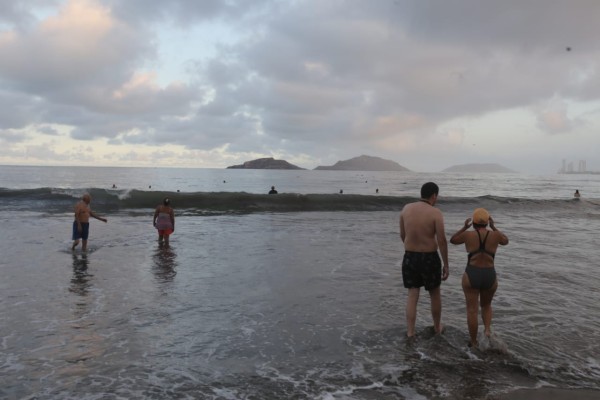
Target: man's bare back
point(421, 227)
point(422, 232)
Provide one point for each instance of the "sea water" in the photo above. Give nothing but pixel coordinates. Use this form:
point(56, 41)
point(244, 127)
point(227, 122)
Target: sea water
point(297, 295)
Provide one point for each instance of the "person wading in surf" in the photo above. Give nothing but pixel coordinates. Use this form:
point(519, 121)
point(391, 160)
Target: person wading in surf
point(164, 221)
point(81, 225)
point(479, 281)
point(422, 232)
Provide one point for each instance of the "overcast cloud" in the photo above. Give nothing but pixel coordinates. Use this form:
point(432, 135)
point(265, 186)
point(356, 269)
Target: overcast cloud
point(428, 84)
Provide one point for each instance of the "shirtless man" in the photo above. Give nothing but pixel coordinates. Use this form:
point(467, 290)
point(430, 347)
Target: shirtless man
point(81, 225)
point(422, 232)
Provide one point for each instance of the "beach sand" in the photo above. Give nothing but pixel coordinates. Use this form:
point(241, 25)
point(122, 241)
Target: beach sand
point(551, 394)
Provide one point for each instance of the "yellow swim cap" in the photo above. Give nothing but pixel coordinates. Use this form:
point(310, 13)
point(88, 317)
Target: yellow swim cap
point(481, 216)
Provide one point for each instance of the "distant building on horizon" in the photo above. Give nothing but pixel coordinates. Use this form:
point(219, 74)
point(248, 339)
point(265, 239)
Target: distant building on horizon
point(569, 168)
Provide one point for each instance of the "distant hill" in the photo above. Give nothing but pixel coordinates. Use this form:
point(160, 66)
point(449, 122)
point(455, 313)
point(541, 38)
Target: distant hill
point(486, 168)
point(365, 163)
point(265, 163)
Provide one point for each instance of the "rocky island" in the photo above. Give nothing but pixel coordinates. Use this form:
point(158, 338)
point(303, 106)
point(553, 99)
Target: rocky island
point(265, 163)
point(365, 163)
point(485, 168)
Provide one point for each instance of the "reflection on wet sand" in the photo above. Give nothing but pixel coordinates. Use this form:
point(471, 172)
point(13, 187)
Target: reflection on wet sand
point(83, 344)
point(80, 282)
point(165, 263)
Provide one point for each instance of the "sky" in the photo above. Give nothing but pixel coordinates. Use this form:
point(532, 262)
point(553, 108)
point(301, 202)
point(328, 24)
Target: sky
point(213, 83)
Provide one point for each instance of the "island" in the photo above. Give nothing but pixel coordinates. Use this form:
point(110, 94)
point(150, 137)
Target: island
point(485, 168)
point(265, 163)
point(365, 163)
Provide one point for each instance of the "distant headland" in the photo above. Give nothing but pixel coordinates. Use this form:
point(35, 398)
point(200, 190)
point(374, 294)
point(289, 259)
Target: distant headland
point(365, 163)
point(361, 163)
point(265, 163)
point(485, 168)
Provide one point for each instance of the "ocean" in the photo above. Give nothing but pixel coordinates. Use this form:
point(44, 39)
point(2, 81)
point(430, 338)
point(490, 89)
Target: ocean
point(291, 296)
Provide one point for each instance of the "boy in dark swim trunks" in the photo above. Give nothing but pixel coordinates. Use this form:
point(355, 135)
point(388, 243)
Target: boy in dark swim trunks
point(422, 232)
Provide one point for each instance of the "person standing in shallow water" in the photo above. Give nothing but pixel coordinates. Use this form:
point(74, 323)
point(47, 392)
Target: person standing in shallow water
point(422, 232)
point(479, 281)
point(81, 225)
point(164, 221)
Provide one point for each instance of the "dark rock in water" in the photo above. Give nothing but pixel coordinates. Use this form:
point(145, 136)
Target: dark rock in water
point(365, 163)
point(265, 163)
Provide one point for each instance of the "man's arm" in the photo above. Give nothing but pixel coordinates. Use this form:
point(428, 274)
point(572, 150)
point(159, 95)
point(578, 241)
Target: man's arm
point(402, 231)
point(442, 244)
point(172, 215)
point(99, 218)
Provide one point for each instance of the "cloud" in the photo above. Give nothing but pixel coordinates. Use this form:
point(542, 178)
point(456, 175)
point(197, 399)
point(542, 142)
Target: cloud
point(46, 151)
point(18, 109)
point(8, 136)
point(293, 78)
point(186, 12)
point(20, 14)
point(553, 118)
point(48, 130)
point(309, 84)
point(82, 44)
point(83, 60)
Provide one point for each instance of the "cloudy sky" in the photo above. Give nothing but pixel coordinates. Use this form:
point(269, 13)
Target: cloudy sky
point(209, 83)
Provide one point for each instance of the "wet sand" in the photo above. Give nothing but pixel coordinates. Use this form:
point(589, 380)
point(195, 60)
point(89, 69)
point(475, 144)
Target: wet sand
point(551, 394)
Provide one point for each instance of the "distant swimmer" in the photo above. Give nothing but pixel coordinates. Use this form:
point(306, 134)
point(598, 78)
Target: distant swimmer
point(164, 221)
point(479, 281)
point(341, 191)
point(422, 232)
point(81, 225)
point(376, 190)
point(577, 195)
point(272, 191)
point(114, 186)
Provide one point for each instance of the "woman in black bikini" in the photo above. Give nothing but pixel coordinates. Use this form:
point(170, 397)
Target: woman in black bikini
point(479, 281)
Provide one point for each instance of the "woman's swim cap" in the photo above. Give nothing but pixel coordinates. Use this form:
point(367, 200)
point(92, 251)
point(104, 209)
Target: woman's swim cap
point(481, 216)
